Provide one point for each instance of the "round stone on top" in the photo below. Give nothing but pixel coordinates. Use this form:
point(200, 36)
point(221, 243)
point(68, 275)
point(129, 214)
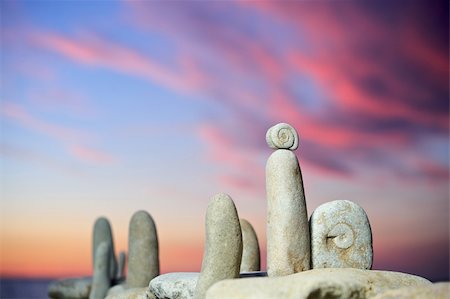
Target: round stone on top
point(282, 136)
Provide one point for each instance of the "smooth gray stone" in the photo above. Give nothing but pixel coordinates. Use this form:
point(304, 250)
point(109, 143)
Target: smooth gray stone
point(103, 233)
point(223, 247)
point(101, 280)
point(143, 255)
point(324, 283)
point(250, 248)
point(177, 285)
point(288, 239)
point(121, 261)
point(340, 236)
point(75, 288)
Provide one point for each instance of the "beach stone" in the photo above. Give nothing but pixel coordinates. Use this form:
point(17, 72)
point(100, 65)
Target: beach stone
point(117, 289)
point(282, 136)
point(250, 248)
point(177, 285)
point(440, 290)
point(75, 288)
point(101, 280)
point(288, 240)
point(103, 233)
point(132, 293)
point(340, 236)
point(143, 256)
point(120, 275)
point(223, 246)
point(336, 283)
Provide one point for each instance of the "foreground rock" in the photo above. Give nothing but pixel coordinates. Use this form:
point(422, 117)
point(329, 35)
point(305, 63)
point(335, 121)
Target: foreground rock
point(132, 293)
point(340, 236)
point(178, 285)
point(288, 239)
point(223, 247)
point(439, 290)
point(317, 283)
point(75, 288)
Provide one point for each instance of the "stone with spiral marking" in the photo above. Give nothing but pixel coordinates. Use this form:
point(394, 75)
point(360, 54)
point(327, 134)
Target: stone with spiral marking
point(340, 236)
point(282, 136)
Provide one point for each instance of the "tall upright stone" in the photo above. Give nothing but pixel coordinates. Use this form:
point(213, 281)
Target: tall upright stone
point(103, 233)
point(143, 255)
point(101, 280)
point(250, 249)
point(340, 236)
point(288, 239)
point(223, 247)
point(121, 261)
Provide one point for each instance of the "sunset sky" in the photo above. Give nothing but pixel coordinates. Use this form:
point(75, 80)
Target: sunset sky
point(109, 107)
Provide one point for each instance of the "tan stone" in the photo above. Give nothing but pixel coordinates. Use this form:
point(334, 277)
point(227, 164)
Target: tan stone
point(132, 293)
point(223, 246)
point(143, 256)
point(439, 290)
point(282, 136)
point(250, 249)
point(101, 280)
point(317, 283)
point(288, 240)
point(340, 236)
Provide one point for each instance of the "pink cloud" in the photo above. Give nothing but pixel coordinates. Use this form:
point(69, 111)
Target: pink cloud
point(91, 155)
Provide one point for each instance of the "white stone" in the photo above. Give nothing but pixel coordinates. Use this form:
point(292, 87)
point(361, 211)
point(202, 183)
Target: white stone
point(336, 283)
point(143, 256)
point(340, 236)
point(282, 136)
point(177, 285)
point(70, 288)
point(223, 246)
point(250, 248)
point(103, 233)
point(101, 280)
point(288, 240)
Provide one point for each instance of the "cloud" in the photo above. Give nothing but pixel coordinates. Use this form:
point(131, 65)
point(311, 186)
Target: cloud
point(92, 155)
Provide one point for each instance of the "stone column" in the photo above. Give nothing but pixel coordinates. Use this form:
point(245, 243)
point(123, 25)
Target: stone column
point(288, 239)
point(101, 280)
point(102, 233)
point(250, 248)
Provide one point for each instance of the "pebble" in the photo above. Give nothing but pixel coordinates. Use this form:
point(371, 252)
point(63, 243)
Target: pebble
point(75, 288)
point(177, 285)
point(101, 280)
point(250, 249)
point(282, 136)
point(340, 236)
point(103, 233)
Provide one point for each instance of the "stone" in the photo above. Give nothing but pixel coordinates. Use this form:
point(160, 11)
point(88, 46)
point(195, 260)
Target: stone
point(250, 249)
point(340, 236)
point(101, 280)
point(117, 289)
point(177, 285)
point(288, 240)
point(120, 275)
point(103, 233)
point(223, 246)
point(143, 256)
point(440, 290)
point(132, 293)
point(70, 288)
point(336, 283)
point(282, 136)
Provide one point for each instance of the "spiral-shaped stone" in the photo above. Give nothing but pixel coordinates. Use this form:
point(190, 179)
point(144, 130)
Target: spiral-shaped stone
point(282, 136)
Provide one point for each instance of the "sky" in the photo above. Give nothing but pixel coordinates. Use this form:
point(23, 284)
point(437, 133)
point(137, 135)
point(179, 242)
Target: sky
point(110, 107)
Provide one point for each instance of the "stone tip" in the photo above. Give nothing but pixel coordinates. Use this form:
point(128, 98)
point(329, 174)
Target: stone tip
point(282, 136)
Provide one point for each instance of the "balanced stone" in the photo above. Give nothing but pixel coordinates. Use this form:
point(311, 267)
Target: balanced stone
point(103, 233)
point(120, 275)
point(70, 288)
point(101, 280)
point(288, 239)
point(177, 285)
point(143, 256)
point(317, 283)
point(223, 246)
point(282, 136)
point(250, 248)
point(340, 236)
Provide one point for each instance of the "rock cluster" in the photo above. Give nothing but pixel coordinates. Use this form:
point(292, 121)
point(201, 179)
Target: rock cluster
point(329, 256)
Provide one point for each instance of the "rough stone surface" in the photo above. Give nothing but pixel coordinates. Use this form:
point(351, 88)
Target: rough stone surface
point(439, 290)
point(177, 285)
point(288, 240)
point(70, 288)
point(282, 136)
point(223, 246)
point(250, 248)
point(131, 293)
point(317, 283)
point(121, 266)
point(340, 236)
point(143, 256)
point(103, 233)
point(101, 280)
